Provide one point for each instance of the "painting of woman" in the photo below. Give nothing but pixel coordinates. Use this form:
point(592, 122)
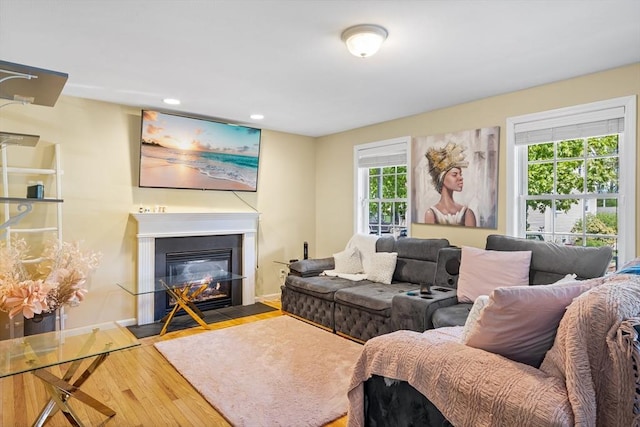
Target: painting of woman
point(445, 168)
point(454, 178)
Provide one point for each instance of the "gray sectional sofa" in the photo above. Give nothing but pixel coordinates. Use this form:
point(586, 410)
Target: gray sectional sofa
point(365, 309)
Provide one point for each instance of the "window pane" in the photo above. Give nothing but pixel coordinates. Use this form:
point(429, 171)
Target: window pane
point(386, 212)
point(607, 204)
point(599, 228)
point(567, 213)
point(389, 186)
point(402, 185)
point(570, 148)
point(389, 170)
point(567, 206)
point(374, 187)
point(602, 146)
point(540, 152)
point(602, 175)
point(536, 211)
point(401, 213)
point(374, 212)
point(570, 177)
point(540, 179)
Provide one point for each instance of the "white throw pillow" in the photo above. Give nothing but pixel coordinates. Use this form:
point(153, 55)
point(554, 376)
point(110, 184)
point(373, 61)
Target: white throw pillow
point(382, 266)
point(366, 245)
point(348, 261)
point(481, 271)
point(473, 316)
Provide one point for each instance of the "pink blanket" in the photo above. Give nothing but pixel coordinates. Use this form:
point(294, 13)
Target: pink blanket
point(472, 387)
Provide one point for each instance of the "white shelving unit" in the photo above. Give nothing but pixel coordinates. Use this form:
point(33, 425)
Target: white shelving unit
point(25, 205)
point(26, 85)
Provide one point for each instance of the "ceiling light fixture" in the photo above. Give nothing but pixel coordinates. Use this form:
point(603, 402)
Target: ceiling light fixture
point(257, 116)
point(364, 40)
point(171, 101)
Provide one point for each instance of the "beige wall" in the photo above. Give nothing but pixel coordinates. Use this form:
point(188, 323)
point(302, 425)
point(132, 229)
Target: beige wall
point(99, 151)
point(334, 166)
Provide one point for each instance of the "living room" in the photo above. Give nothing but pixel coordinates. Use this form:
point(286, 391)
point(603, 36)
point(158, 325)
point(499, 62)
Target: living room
point(305, 191)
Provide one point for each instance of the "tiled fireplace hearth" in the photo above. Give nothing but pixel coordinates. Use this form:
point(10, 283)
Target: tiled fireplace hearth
point(152, 226)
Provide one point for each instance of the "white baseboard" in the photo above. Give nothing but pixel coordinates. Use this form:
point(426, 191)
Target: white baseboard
point(269, 297)
point(127, 322)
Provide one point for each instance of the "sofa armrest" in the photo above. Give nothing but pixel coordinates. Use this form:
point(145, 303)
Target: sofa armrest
point(311, 267)
point(471, 387)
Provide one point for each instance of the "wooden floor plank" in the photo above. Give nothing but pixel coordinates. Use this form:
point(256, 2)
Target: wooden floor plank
point(139, 384)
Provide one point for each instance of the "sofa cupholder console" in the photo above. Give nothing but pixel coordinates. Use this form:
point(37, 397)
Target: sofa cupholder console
point(413, 310)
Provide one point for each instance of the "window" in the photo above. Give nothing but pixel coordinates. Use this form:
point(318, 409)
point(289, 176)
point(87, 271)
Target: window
point(381, 182)
point(573, 173)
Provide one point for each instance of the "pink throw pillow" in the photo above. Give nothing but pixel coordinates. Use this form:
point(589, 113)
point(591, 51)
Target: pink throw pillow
point(481, 271)
point(520, 322)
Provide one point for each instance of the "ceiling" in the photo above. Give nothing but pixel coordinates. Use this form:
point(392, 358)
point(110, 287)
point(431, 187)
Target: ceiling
point(227, 59)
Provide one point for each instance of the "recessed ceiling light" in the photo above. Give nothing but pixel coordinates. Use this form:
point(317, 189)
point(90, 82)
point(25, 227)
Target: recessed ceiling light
point(171, 101)
point(257, 116)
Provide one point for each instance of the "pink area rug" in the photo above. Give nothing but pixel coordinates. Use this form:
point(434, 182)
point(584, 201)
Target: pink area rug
point(274, 372)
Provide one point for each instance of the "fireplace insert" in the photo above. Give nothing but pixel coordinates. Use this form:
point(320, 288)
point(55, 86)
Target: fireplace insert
point(194, 268)
point(190, 261)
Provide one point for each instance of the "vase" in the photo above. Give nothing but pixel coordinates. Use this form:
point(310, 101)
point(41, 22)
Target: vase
point(40, 323)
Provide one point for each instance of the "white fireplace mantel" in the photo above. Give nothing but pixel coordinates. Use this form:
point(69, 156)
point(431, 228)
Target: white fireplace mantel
point(152, 226)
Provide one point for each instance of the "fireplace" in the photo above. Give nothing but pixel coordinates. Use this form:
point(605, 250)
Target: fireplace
point(154, 228)
point(188, 260)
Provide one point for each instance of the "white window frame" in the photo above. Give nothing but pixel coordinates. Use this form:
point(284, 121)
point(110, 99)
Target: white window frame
point(516, 168)
point(361, 181)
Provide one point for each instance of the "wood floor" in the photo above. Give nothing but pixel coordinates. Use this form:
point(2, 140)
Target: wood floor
point(139, 384)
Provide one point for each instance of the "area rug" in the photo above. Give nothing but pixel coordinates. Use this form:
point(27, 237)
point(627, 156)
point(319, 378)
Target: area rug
point(275, 372)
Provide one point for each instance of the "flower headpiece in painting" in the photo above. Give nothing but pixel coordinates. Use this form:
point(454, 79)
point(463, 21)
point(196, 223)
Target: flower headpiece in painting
point(443, 159)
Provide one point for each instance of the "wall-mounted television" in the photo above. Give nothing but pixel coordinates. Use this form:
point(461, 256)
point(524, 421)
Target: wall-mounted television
point(195, 153)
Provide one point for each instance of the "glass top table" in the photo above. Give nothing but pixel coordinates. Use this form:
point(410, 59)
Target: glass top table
point(25, 354)
point(35, 353)
point(184, 290)
point(161, 284)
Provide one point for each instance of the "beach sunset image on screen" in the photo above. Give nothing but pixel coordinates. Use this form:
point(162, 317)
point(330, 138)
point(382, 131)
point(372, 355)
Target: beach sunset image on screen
point(193, 153)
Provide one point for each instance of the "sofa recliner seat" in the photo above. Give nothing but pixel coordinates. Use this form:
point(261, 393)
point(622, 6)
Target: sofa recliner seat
point(312, 297)
point(364, 309)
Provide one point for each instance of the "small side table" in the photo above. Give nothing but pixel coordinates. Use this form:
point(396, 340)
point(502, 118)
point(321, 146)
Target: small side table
point(406, 306)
